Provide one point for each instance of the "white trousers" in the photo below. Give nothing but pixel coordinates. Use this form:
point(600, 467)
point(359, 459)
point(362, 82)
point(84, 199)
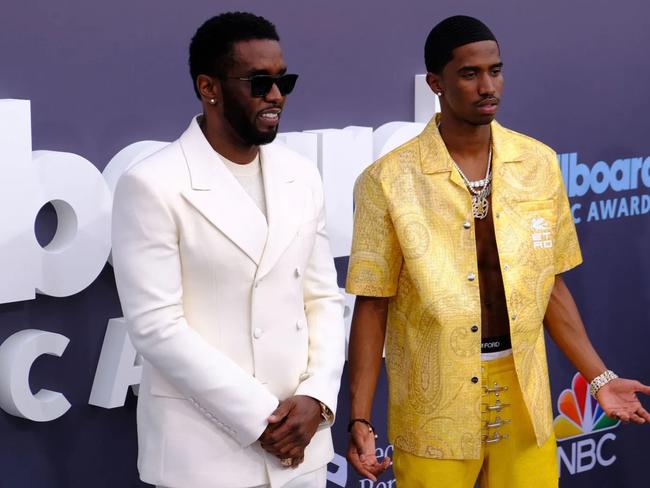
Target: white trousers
point(313, 479)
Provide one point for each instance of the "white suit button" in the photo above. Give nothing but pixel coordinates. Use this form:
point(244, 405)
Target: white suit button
point(257, 333)
point(298, 272)
point(299, 324)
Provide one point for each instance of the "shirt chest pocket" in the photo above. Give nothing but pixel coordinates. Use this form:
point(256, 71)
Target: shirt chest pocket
point(539, 222)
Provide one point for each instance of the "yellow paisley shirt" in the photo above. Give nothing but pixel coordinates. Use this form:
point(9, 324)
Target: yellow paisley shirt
point(414, 242)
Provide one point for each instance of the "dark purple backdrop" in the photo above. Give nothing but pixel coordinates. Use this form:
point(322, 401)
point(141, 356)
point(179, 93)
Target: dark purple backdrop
point(102, 75)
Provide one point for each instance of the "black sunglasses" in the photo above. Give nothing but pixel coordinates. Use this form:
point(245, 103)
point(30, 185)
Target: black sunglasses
point(261, 84)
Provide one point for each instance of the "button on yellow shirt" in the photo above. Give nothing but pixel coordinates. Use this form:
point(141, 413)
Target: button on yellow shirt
point(412, 242)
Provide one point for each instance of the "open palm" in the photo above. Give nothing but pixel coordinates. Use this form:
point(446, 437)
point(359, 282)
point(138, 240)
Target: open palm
point(619, 400)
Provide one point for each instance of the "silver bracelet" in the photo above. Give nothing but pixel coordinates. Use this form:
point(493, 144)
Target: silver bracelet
point(601, 380)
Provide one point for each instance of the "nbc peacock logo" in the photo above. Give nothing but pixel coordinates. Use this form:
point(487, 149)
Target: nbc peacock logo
point(580, 414)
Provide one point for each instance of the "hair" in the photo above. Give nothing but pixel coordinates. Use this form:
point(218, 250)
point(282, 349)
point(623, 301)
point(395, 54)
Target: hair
point(449, 34)
point(211, 47)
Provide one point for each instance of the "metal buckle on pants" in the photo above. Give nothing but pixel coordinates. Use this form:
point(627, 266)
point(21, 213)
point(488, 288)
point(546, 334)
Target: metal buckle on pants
point(498, 422)
point(497, 407)
point(495, 438)
point(495, 389)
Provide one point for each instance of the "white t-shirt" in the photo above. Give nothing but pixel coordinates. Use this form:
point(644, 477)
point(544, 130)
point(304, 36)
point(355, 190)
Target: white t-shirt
point(250, 178)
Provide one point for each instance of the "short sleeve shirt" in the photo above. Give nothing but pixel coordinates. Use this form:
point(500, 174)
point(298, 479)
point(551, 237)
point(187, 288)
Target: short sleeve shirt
point(411, 243)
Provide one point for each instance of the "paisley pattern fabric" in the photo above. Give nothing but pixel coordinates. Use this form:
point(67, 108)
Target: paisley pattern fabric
point(414, 241)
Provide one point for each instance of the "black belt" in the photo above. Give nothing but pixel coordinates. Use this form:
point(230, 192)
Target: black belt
point(495, 344)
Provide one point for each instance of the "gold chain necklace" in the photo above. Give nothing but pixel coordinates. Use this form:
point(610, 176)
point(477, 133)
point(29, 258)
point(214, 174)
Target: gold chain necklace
point(479, 189)
point(480, 203)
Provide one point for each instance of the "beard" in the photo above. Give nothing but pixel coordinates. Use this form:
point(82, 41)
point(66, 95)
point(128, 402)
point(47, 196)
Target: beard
point(248, 133)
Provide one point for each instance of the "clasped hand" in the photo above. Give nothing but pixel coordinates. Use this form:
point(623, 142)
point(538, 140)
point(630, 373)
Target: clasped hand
point(291, 427)
point(362, 455)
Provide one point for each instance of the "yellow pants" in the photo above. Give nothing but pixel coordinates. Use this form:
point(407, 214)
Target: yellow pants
point(510, 457)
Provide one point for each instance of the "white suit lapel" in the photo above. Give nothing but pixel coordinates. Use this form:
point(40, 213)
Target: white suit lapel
point(283, 207)
point(219, 197)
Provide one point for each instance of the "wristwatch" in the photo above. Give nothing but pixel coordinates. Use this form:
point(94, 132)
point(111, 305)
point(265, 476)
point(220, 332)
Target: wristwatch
point(601, 380)
point(325, 413)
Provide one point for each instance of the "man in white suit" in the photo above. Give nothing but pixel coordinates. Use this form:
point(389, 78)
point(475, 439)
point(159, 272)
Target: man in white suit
point(227, 281)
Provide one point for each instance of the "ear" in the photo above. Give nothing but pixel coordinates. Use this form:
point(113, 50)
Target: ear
point(435, 83)
point(209, 88)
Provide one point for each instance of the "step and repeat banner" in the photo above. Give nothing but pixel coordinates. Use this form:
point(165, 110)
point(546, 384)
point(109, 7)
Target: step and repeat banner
point(89, 88)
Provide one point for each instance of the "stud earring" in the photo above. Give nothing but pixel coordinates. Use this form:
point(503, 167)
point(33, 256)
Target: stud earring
point(213, 101)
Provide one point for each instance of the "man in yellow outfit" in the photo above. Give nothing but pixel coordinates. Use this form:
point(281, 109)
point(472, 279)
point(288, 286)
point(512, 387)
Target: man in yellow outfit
point(460, 239)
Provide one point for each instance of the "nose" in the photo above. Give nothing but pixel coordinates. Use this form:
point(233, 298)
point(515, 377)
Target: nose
point(274, 94)
point(486, 85)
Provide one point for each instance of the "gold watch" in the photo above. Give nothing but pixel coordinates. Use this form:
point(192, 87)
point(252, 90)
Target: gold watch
point(325, 413)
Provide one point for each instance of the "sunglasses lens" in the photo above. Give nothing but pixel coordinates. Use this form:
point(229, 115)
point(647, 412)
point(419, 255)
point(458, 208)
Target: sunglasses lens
point(261, 85)
point(286, 83)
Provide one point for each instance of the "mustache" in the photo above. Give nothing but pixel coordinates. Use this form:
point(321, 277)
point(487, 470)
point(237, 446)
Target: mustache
point(489, 100)
point(273, 106)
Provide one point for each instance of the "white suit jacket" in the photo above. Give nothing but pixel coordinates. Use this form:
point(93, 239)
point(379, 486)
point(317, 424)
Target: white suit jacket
point(230, 315)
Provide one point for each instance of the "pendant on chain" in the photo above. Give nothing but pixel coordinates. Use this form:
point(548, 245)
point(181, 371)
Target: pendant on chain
point(480, 206)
